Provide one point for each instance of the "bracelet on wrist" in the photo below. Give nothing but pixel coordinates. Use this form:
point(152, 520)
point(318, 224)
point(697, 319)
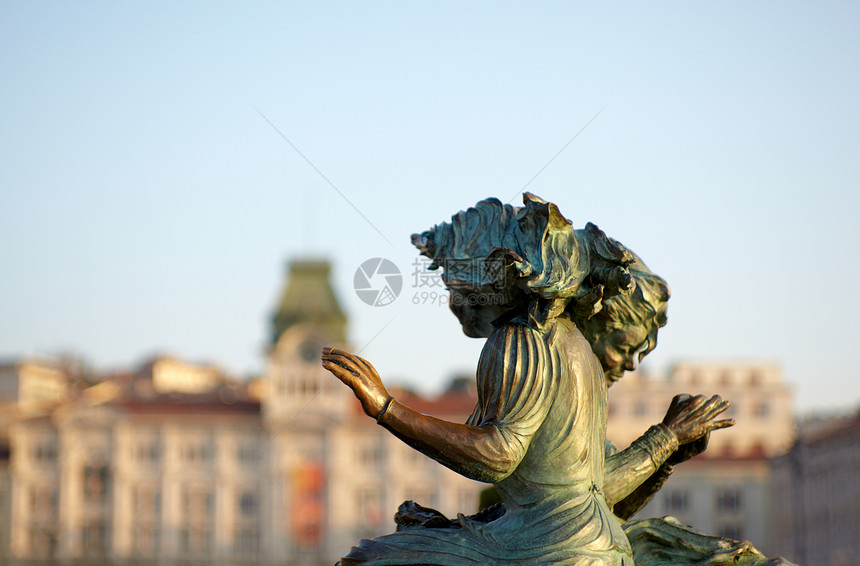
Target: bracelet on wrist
point(384, 409)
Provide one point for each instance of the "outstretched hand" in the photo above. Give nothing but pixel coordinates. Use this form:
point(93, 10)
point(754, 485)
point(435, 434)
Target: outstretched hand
point(360, 376)
point(692, 418)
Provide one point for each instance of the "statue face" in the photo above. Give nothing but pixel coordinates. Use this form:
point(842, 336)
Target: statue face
point(476, 320)
point(621, 349)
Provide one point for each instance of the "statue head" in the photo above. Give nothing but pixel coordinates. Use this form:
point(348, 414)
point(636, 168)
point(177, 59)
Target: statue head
point(625, 329)
point(501, 261)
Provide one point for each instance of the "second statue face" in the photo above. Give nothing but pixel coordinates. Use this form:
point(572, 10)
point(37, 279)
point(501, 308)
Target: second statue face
point(620, 350)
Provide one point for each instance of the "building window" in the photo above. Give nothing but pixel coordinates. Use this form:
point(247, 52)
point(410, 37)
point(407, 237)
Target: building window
point(729, 500)
point(200, 452)
point(45, 452)
point(675, 501)
point(147, 503)
point(95, 483)
point(198, 505)
point(641, 409)
point(755, 378)
point(147, 452)
point(761, 410)
point(248, 453)
point(248, 504)
point(43, 502)
point(370, 455)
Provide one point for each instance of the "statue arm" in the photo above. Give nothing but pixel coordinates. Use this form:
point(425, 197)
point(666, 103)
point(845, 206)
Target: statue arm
point(511, 406)
point(625, 471)
point(634, 475)
point(639, 498)
point(645, 492)
point(485, 453)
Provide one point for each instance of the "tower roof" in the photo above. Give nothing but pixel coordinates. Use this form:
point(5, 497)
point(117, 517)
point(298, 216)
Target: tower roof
point(309, 298)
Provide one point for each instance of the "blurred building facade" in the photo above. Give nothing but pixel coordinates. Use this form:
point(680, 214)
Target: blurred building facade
point(29, 383)
point(726, 490)
point(816, 494)
point(177, 464)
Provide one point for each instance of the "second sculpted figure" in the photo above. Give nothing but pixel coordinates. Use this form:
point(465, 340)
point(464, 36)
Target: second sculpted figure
point(621, 334)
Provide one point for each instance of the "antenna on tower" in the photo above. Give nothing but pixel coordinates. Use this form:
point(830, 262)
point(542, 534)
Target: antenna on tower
point(310, 223)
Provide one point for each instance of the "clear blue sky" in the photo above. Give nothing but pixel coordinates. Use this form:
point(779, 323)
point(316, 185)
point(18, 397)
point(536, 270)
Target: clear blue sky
point(147, 206)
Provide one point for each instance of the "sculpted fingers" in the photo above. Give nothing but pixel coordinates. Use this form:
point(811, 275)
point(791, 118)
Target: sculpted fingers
point(722, 424)
point(366, 366)
point(339, 362)
point(344, 359)
point(357, 365)
point(339, 367)
point(339, 372)
point(720, 407)
point(715, 406)
point(678, 407)
point(680, 399)
point(695, 407)
point(706, 409)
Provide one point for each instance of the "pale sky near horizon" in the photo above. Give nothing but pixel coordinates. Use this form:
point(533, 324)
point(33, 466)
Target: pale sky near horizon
point(148, 206)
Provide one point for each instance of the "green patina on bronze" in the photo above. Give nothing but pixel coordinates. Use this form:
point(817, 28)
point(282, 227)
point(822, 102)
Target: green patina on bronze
point(564, 312)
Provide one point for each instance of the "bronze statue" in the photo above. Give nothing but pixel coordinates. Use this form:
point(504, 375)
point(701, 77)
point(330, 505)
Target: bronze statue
point(532, 285)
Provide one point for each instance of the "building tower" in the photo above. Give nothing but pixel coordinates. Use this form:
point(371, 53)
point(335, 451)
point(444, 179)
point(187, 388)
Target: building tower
point(303, 408)
point(307, 318)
